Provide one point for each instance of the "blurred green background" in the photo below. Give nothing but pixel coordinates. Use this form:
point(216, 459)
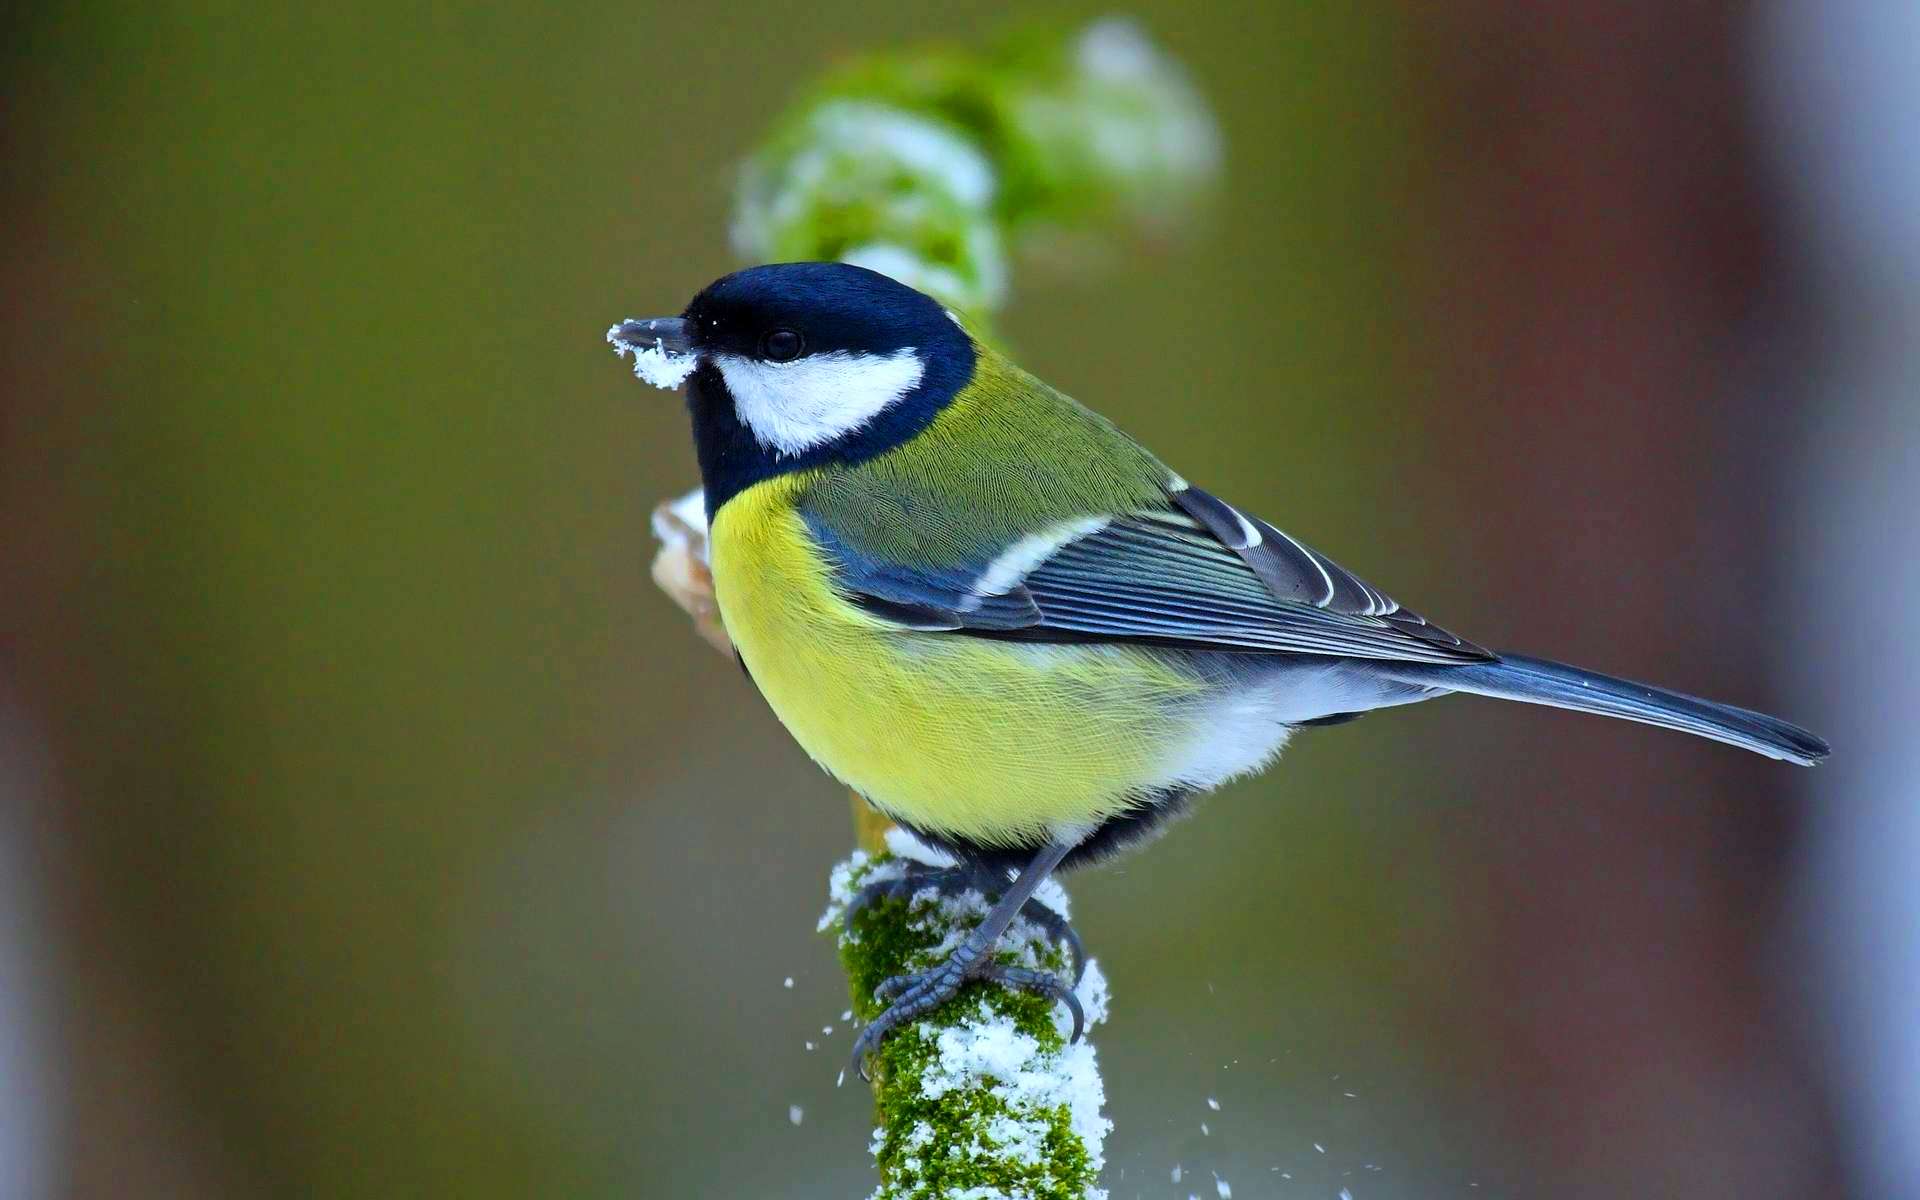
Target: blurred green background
point(401, 839)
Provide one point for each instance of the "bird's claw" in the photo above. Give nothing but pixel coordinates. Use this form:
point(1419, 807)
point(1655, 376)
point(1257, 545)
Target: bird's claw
point(1042, 983)
point(891, 987)
point(956, 881)
point(908, 997)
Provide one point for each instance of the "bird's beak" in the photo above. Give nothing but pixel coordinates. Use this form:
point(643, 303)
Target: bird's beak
point(669, 334)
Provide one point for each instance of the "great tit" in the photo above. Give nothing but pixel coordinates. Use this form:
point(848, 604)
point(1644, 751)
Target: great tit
point(1003, 622)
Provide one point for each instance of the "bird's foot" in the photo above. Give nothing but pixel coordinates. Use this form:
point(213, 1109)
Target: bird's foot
point(954, 882)
point(910, 997)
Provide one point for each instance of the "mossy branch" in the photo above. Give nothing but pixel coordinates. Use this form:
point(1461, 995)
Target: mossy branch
point(933, 166)
point(985, 1097)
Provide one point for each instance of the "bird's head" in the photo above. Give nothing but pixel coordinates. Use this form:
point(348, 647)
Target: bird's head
point(796, 365)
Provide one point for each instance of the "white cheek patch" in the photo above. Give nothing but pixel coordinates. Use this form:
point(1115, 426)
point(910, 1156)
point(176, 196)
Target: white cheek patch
point(794, 406)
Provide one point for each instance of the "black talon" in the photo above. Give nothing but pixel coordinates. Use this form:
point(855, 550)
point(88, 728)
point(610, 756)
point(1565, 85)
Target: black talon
point(1043, 984)
point(892, 987)
point(907, 997)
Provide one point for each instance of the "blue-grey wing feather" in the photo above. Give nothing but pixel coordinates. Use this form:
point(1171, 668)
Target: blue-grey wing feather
point(1294, 571)
point(925, 598)
point(1196, 574)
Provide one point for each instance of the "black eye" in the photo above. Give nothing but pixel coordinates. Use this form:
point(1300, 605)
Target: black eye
point(782, 345)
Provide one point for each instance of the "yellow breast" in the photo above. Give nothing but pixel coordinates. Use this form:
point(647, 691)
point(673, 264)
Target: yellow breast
point(1001, 743)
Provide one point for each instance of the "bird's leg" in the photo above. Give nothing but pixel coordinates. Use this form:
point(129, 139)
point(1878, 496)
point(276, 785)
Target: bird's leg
point(1061, 934)
point(954, 882)
point(911, 996)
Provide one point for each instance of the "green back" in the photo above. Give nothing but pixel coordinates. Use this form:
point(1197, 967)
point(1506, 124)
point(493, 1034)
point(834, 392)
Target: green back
point(1009, 456)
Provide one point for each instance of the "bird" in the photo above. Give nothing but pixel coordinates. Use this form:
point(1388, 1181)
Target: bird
point(1009, 626)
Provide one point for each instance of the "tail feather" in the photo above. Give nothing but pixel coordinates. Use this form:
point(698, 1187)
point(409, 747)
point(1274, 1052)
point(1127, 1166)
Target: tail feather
point(1540, 681)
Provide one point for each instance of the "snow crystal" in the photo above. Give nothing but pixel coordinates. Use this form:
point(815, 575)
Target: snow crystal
point(1176, 1172)
point(1094, 995)
point(1051, 894)
point(1213, 1103)
point(787, 982)
point(979, 1048)
point(653, 365)
point(1016, 1140)
point(1030, 1082)
point(840, 887)
point(1222, 1187)
point(796, 1114)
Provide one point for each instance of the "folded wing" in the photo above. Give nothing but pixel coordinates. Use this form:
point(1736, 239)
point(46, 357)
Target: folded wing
point(1197, 573)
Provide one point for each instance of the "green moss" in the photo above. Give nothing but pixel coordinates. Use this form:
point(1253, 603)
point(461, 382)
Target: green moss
point(940, 1146)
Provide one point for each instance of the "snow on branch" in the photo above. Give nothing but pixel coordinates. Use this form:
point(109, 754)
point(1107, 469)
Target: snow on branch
point(984, 1097)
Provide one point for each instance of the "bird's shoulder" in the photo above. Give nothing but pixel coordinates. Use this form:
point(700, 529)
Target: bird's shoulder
point(1009, 456)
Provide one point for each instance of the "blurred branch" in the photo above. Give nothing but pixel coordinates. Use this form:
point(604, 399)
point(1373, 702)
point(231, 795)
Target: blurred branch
point(926, 166)
point(680, 566)
point(932, 164)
